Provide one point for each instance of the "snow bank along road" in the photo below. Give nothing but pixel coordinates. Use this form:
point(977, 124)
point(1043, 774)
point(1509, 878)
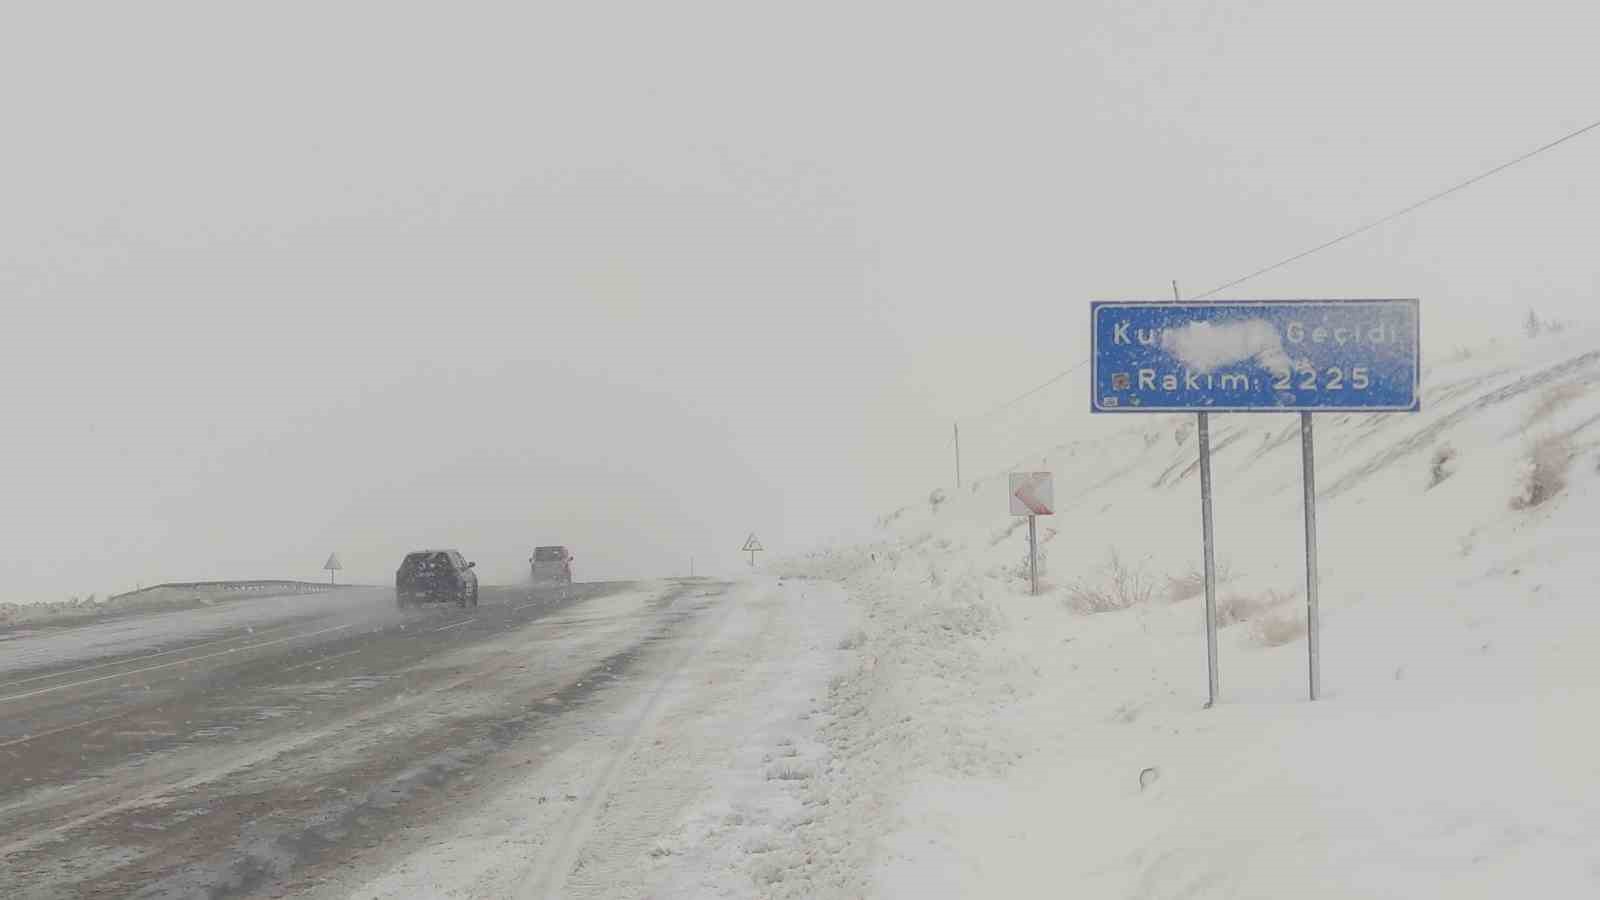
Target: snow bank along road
point(323, 745)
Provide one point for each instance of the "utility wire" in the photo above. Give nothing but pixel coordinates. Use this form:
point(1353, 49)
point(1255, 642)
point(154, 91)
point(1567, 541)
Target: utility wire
point(1317, 249)
point(1410, 209)
point(1028, 393)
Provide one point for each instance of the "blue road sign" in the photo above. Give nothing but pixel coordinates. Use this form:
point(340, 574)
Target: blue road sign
point(1256, 356)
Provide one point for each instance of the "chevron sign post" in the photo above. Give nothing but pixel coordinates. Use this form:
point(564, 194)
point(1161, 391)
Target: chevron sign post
point(1033, 494)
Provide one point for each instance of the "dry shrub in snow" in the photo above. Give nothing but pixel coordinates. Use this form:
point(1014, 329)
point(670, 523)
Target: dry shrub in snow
point(936, 498)
point(1119, 586)
point(1552, 399)
point(1235, 608)
point(853, 640)
point(1023, 569)
point(1543, 472)
point(1444, 465)
point(789, 771)
point(1279, 628)
point(1193, 583)
point(1533, 325)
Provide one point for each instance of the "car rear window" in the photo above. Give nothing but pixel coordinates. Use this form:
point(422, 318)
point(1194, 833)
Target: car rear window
point(425, 562)
point(550, 554)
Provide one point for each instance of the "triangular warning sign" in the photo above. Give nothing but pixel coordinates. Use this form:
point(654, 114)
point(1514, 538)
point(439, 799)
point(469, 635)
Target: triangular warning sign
point(332, 564)
point(751, 543)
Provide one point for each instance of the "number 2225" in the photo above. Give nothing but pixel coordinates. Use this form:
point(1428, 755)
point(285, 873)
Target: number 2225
point(1359, 379)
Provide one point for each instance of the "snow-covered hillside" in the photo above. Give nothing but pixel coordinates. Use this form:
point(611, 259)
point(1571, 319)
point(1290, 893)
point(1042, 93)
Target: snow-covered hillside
point(991, 744)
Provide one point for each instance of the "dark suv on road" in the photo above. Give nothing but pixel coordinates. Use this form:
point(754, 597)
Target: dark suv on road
point(435, 575)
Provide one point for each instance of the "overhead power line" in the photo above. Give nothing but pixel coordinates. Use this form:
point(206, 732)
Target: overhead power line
point(999, 408)
point(1002, 407)
point(1408, 210)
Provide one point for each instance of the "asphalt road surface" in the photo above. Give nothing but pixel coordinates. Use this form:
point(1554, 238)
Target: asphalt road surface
point(254, 748)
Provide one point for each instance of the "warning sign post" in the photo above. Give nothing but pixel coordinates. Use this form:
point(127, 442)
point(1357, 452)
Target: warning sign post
point(752, 546)
point(1033, 494)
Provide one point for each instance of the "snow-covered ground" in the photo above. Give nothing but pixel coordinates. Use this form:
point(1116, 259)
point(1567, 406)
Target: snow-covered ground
point(988, 743)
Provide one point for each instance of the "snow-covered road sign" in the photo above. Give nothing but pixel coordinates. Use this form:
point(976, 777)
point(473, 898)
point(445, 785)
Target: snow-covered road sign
point(1033, 494)
point(1256, 356)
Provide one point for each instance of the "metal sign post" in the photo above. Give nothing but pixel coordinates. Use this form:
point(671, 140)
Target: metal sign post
point(1033, 494)
point(957, 441)
point(1300, 356)
point(1209, 553)
point(1033, 553)
point(1313, 626)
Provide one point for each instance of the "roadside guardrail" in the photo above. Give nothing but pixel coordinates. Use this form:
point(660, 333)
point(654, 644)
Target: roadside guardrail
point(264, 587)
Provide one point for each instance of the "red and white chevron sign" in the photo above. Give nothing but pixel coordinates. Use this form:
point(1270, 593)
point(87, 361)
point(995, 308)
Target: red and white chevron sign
point(1033, 494)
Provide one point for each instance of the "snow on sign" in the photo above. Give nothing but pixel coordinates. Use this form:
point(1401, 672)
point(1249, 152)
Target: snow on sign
point(1256, 356)
point(1033, 494)
point(332, 565)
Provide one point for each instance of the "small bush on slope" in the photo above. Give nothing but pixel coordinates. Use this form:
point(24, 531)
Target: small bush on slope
point(1193, 583)
point(1279, 628)
point(1543, 472)
point(1552, 399)
point(1444, 465)
point(1235, 608)
point(1119, 587)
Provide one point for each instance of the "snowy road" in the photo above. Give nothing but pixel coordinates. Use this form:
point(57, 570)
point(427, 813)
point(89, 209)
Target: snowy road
point(284, 747)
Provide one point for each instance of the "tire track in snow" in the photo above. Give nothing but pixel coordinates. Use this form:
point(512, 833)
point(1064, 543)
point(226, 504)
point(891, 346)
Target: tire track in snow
point(552, 881)
point(1426, 436)
point(701, 733)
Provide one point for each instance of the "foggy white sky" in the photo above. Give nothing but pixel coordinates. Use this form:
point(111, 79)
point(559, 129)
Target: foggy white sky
point(640, 278)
